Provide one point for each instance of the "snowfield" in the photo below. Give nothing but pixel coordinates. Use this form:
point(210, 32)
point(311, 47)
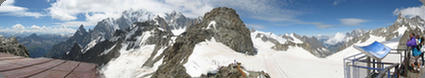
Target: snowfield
point(210, 55)
point(129, 63)
point(293, 63)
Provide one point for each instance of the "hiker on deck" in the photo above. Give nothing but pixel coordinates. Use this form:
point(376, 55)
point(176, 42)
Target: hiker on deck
point(412, 43)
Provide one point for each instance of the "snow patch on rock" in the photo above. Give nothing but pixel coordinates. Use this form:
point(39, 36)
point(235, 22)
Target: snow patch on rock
point(401, 30)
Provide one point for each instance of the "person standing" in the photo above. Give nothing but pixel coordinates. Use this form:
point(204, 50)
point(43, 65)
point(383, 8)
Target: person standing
point(415, 51)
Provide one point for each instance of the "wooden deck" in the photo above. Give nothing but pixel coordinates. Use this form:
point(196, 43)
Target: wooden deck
point(20, 67)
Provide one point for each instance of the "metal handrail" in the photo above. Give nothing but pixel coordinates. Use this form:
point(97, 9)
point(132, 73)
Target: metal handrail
point(349, 61)
point(387, 71)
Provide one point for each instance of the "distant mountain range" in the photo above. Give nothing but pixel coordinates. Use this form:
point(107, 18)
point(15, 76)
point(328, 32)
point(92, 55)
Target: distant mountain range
point(39, 45)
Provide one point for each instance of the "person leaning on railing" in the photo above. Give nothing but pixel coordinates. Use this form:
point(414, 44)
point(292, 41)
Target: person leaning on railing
point(412, 43)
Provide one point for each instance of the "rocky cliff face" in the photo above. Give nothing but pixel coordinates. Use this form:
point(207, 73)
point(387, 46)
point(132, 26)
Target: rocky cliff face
point(221, 24)
point(228, 28)
point(11, 46)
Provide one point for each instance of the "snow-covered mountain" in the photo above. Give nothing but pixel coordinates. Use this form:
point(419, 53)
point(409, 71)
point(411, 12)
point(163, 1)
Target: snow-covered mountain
point(105, 29)
point(141, 44)
point(321, 46)
point(167, 55)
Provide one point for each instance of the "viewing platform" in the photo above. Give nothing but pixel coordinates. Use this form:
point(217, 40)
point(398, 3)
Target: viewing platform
point(370, 63)
point(12, 66)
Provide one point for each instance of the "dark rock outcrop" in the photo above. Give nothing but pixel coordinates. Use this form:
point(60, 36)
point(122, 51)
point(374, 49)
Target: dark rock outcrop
point(229, 29)
point(11, 46)
point(75, 52)
point(233, 71)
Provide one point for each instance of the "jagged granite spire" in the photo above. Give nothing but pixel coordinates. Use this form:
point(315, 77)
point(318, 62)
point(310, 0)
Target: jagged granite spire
point(223, 24)
point(81, 30)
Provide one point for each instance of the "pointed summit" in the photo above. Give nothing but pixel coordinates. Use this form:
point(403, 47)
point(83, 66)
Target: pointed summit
point(81, 29)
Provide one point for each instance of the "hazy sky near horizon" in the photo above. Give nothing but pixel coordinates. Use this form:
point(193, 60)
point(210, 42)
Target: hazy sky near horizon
point(305, 17)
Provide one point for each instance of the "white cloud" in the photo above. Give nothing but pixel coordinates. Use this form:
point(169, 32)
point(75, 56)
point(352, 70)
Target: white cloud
point(411, 11)
point(10, 9)
point(96, 10)
point(35, 27)
point(268, 10)
point(19, 28)
point(352, 21)
point(337, 38)
point(318, 24)
point(69, 9)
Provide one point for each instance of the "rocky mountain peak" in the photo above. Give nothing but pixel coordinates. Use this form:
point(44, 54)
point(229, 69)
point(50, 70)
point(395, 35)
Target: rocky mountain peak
point(176, 20)
point(417, 19)
point(221, 12)
point(228, 29)
point(82, 30)
point(222, 24)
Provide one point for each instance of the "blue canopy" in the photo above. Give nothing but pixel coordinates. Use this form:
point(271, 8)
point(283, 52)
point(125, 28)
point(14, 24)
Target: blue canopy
point(375, 50)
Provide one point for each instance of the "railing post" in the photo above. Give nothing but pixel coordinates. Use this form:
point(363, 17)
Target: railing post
point(346, 69)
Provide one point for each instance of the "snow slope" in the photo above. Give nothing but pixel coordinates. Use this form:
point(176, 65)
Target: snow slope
point(129, 63)
point(209, 55)
point(293, 63)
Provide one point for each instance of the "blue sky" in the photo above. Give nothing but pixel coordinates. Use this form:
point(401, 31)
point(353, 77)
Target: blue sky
point(306, 17)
